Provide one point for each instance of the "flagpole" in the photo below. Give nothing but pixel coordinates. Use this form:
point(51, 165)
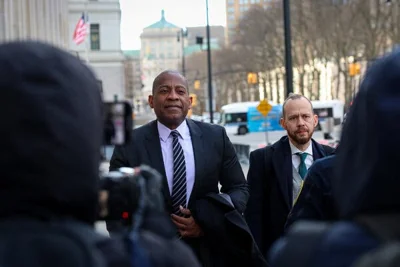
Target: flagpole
point(88, 29)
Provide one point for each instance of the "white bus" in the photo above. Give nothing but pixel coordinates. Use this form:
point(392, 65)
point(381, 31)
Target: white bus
point(234, 117)
point(329, 108)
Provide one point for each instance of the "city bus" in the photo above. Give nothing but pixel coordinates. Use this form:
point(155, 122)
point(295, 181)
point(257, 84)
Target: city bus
point(235, 117)
point(329, 109)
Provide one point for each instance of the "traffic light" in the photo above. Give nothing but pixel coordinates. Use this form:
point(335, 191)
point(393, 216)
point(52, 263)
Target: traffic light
point(194, 99)
point(354, 69)
point(197, 84)
point(252, 78)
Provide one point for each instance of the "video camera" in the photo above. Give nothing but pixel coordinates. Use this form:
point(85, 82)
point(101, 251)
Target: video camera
point(128, 192)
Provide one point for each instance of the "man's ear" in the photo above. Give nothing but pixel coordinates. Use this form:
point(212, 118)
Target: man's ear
point(190, 102)
point(150, 100)
point(282, 123)
point(315, 120)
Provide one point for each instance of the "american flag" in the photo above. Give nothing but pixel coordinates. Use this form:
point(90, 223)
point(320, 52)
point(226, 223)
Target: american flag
point(80, 31)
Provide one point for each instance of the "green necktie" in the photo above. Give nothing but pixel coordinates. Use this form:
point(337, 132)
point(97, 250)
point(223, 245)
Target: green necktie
point(302, 166)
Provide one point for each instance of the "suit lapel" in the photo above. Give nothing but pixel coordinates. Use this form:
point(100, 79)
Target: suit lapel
point(199, 156)
point(282, 161)
point(154, 152)
point(318, 150)
point(282, 156)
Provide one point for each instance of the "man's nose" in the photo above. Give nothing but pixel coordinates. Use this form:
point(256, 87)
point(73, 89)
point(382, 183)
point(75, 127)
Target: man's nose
point(300, 121)
point(173, 94)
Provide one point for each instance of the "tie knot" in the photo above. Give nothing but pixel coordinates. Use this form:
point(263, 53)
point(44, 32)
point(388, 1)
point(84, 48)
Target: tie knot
point(302, 155)
point(175, 134)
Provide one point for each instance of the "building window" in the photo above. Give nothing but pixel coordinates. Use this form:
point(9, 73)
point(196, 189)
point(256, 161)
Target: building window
point(95, 36)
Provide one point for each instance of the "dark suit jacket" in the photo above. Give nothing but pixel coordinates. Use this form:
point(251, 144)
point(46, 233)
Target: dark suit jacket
point(228, 239)
point(270, 180)
point(214, 156)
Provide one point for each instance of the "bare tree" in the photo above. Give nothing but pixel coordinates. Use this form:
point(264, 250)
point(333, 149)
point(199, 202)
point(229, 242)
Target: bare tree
point(325, 33)
point(371, 26)
point(196, 70)
point(393, 23)
point(260, 39)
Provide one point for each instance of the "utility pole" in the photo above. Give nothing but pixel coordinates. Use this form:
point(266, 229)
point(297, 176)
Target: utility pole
point(288, 47)
point(210, 91)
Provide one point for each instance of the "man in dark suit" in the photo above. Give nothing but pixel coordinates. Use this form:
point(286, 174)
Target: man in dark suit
point(276, 172)
point(192, 156)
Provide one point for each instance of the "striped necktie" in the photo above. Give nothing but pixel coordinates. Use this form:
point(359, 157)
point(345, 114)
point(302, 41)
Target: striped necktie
point(179, 179)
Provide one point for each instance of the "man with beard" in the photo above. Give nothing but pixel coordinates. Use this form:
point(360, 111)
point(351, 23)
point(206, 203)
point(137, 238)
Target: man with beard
point(276, 172)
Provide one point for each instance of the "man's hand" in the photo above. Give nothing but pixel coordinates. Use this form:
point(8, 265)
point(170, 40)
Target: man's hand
point(187, 226)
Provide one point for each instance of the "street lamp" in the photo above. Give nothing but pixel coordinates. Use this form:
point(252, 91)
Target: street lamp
point(288, 47)
point(210, 93)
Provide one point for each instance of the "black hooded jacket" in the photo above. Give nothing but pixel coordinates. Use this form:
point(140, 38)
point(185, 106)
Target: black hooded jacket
point(367, 179)
point(50, 134)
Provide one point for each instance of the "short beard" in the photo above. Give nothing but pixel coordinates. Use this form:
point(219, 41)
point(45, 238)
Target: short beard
point(301, 141)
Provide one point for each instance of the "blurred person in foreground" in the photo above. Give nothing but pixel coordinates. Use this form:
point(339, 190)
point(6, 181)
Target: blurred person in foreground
point(366, 181)
point(50, 136)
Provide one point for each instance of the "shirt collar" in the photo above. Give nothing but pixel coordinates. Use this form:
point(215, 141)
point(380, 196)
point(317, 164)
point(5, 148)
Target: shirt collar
point(296, 150)
point(164, 132)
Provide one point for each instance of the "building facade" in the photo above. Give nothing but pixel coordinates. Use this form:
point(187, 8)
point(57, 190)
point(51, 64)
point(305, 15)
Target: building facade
point(217, 40)
point(102, 46)
point(234, 12)
point(133, 79)
point(217, 34)
point(160, 50)
point(43, 20)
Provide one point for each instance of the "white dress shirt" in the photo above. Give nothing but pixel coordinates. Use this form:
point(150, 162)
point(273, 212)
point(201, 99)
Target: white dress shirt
point(166, 147)
point(296, 158)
